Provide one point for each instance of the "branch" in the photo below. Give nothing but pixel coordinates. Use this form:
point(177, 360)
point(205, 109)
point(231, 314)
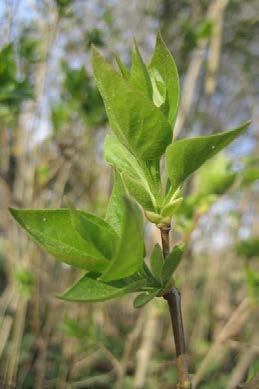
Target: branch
point(174, 303)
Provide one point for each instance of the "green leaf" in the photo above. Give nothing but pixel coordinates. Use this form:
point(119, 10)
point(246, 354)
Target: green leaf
point(151, 280)
point(138, 191)
point(171, 263)
point(90, 289)
point(139, 76)
point(96, 232)
point(185, 156)
point(145, 297)
point(53, 231)
point(128, 258)
point(137, 122)
point(115, 209)
point(135, 286)
point(215, 176)
point(165, 79)
point(249, 248)
point(252, 280)
point(125, 162)
point(171, 208)
point(157, 261)
point(249, 176)
point(123, 69)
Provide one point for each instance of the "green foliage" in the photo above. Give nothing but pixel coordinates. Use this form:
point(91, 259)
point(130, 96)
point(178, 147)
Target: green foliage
point(136, 177)
point(157, 261)
point(185, 156)
point(114, 213)
point(13, 90)
point(137, 122)
point(165, 80)
point(79, 98)
point(89, 288)
point(72, 328)
point(215, 177)
point(63, 7)
point(94, 37)
point(141, 105)
point(171, 263)
point(250, 171)
point(249, 248)
point(139, 76)
point(252, 281)
point(54, 231)
point(129, 253)
point(25, 280)
point(144, 298)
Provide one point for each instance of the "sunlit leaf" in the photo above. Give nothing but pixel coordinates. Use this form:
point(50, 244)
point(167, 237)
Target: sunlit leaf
point(139, 192)
point(123, 69)
point(136, 121)
point(115, 209)
point(157, 261)
point(185, 156)
point(171, 263)
point(120, 158)
point(165, 80)
point(139, 76)
point(95, 231)
point(89, 288)
point(53, 230)
point(128, 257)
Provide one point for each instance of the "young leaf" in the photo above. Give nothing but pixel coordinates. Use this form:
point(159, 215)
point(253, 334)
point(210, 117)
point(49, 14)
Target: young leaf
point(135, 286)
point(139, 76)
point(88, 288)
point(157, 261)
point(96, 232)
point(172, 207)
point(53, 230)
point(115, 209)
point(165, 79)
point(215, 177)
point(185, 156)
point(136, 121)
point(129, 255)
point(150, 278)
point(121, 159)
point(145, 297)
point(138, 191)
point(171, 263)
point(123, 69)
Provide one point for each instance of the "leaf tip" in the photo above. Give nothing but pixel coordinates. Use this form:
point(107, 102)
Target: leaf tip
point(96, 55)
point(14, 212)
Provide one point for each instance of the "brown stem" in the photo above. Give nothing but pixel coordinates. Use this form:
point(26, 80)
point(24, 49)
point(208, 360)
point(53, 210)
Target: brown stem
point(174, 302)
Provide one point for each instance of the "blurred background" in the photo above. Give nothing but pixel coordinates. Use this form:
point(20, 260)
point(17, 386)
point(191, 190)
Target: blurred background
point(53, 125)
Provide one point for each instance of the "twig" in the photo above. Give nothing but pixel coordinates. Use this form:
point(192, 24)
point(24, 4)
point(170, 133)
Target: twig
point(174, 302)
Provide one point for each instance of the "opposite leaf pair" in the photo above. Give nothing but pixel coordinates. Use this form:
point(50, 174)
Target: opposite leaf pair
point(87, 241)
point(114, 257)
